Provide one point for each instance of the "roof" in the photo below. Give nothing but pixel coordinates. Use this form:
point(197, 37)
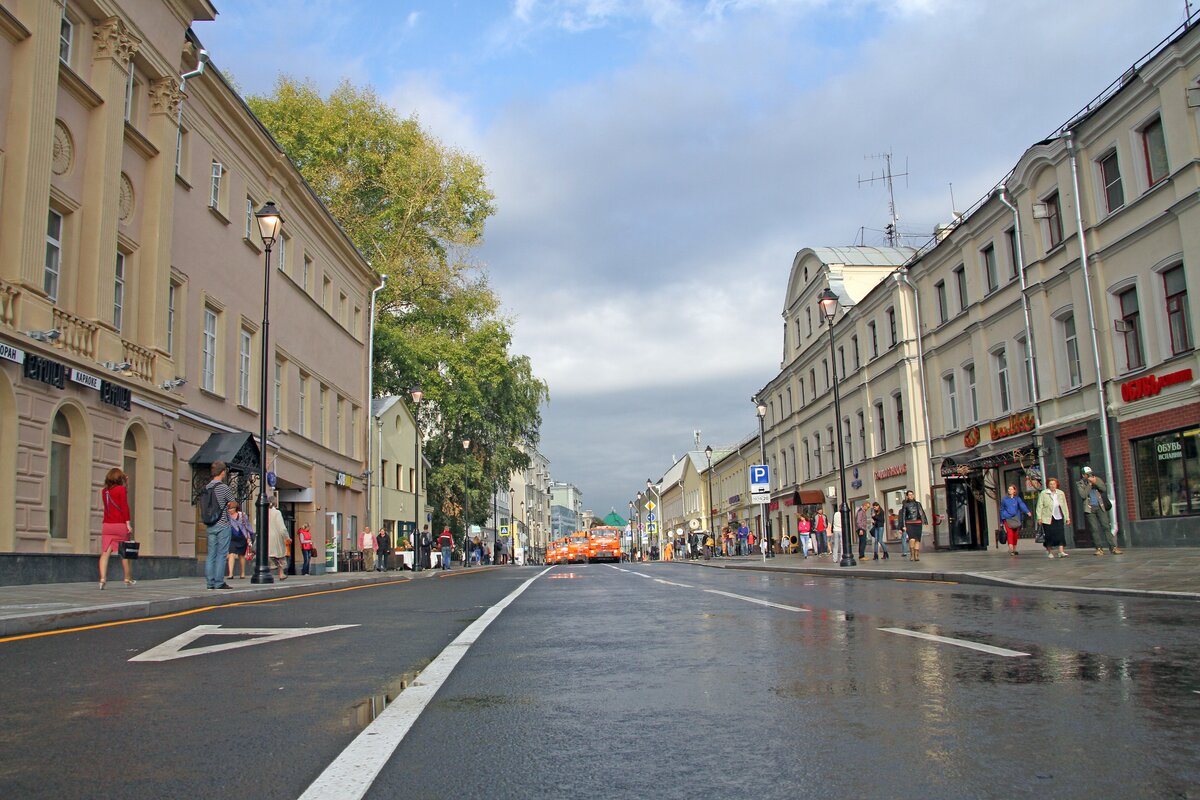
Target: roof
point(379, 405)
point(674, 475)
point(615, 520)
point(864, 256)
point(700, 461)
point(235, 449)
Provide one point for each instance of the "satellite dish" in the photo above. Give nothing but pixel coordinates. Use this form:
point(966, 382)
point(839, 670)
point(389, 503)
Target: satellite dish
point(694, 524)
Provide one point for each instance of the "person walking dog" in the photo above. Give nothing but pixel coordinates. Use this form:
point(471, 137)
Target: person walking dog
point(1096, 505)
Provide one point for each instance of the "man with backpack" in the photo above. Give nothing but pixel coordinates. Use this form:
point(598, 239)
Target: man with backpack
point(214, 513)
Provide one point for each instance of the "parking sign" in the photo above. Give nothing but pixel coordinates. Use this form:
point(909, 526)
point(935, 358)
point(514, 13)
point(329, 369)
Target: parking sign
point(760, 483)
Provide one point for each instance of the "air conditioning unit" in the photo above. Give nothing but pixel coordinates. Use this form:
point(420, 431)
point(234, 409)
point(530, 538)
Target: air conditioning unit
point(1122, 326)
point(1041, 211)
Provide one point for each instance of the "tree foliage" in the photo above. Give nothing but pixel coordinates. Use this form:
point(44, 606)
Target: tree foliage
point(416, 209)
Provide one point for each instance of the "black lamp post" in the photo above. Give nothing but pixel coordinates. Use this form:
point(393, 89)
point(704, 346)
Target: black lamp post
point(711, 532)
point(269, 223)
point(828, 302)
point(417, 393)
point(761, 409)
point(640, 534)
point(632, 528)
point(466, 443)
point(513, 532)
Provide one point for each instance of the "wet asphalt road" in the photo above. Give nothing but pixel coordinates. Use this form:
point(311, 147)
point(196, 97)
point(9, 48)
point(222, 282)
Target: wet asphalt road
point(660, 680)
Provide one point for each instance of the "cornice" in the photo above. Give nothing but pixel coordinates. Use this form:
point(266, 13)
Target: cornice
point(11, 27)
point(139, 142)
point(78, 88)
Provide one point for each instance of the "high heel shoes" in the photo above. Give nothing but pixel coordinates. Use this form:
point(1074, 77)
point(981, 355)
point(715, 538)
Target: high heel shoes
point(102, 584)
point(130, 581)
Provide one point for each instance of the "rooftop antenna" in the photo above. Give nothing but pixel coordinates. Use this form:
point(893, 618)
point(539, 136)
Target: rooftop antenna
point(953, 205)
point(892, 232)
point(696, 438)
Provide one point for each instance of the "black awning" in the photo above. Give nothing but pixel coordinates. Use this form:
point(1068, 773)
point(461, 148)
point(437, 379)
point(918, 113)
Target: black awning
point(238, 450)
point(1016, 456)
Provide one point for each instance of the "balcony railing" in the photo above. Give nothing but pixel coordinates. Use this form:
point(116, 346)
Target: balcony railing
point(9, 295)
point(77, 336)
point(140, 359)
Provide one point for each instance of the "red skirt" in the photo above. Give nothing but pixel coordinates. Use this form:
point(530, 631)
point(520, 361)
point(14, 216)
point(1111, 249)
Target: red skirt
point(111, 536)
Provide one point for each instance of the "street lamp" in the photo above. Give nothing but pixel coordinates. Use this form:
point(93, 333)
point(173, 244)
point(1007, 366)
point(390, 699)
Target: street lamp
point(269, 223)
point(711, 532)
point(650, 515)
point(629, 552)
point(760, 408)
point(417, 393)
point(828, 301)
point(513, 530)
point(466, 443)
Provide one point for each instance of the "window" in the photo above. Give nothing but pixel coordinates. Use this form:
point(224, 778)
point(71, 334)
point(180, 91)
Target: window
point(797, 327)
point(960, 281)
point(357, 329)
point(849, 441)
point(1110, 178)
point(352, 444)
point(842, 360)
point(1014, 259)
point(882, 421)
point(898, 402)
point(208, 352)
point(972, 408)
point(1026, 373)
point(1131, 327)
point(893, 339)
point(337, 425)
point(342, 309)
point(1168, 474)
point(66, 34)
point(322, 395)
point(789, 400)
point(326, 285)
point(282, 246)
point(807, 461)
point(1071, 343)
point(172, 320)
point(862, 433)
point(306, 272)
point(399, 475)
point(179, 142)
point(951, 394)
point(817, 451)
point(802, 393)
point(1175, 287)
point(245, 341)
point(874, 339)
point(1000, 363)
point(129, 94)
point(54, 236)
point(250, 224)
point(1054, 230)
point(60, 476)
point(119, 292)
point(857, 358)
point(1154, 148)
point(214, 187)
point(988, 256)
point(825, 369)
point(277, 405)
point(812, 379)
point(942, 306)
point(808, 320)
point(302, 411)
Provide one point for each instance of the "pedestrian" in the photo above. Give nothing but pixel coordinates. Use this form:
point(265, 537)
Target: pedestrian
point(446, 543)
point(116, 525)
point(240, 534)
point(878, 521)
point(835, 529)
point(1096, 505)
point(1053, 515)
point(743, 535)
point(278, 539)
point(708, 547)
point(218, 532)
point(912, 513)
point(898, 526)
point(1011, 509)
point(862, 523)
point(803, 530)
point(426, 547)
point(366, 542)
point(306, 546)
point(383, 548)
point(820, 527)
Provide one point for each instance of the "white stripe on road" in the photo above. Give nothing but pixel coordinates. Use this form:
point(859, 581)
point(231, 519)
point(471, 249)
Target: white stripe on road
point(756, 600)
point(673, 583)
point(983, 648)
point(639, 574)
point(351, 774)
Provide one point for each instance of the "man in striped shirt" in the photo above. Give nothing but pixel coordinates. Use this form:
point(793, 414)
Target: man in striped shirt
point(218, 533)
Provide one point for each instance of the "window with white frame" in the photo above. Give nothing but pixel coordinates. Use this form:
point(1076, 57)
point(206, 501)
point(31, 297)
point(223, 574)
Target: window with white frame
point(803, 395)
point(972, 407)
point(871, 333)
point(960, 281)
point(950, 392)
point(1154, 150)
point(1178, 315)
point(118, 317)
point(66, 36)
point(857, 356)
point(129, 82)
point(208, 351)
point(808, 320)
point(214, 185)
point(812, 379)
point(1026, 395)
point(825, 369)
point(250, 223)
point(326, 288)
point(245, 345)
point(943, 307)
point(282, 247)
point(172, 321)
point(789, 399)
point(797, 327)
point(1014, 262)
point(302, 408)
point(308, 263)
point(893, 334)
point(322, 410)
point(337, 424)
point(54, 248)
point(1110, 178)
point(1000, 365)
point(352, 443)
point(849, 442)
point(898, 404)
point(882, 422)
point(987, 257)
point(1054, 229)
point(179, 145)
point(1130, 326)
point(807, 461)
point(862, 433)
point(277, 404)
point(1070, 338)
point(842, 360)
point(817, 452)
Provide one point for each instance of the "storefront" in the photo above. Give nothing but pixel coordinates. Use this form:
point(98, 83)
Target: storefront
point(891, 483)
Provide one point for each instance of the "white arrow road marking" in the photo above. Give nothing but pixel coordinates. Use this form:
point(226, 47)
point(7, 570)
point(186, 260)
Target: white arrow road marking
point(756, 600)
point(173, 648)
point(983, 648)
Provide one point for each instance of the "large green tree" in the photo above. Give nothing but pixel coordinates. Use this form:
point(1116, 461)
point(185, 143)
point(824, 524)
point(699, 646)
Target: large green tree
point(416, 209)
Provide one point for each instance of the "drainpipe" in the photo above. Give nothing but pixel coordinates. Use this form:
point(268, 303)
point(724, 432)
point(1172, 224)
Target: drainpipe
point(370, 397)
point(201, 62)
point(1034, 389)
point(1087, 288)
point(902, 277)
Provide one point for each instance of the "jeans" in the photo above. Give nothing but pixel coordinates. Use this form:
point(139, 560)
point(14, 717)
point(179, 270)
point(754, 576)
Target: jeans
point(904, 542)
point(307, 558)
point(804, 542)
point(445, 558)
point(880, 544)
point(218, 554)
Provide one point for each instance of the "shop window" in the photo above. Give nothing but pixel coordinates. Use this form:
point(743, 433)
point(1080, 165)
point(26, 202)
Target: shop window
point(1168, 474)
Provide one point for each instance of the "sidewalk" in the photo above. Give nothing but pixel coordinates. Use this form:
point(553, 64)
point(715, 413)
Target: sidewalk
point(43, 607)
point(1160, 572)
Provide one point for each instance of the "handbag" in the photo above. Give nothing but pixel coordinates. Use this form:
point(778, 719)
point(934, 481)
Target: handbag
point(1040, 536)
point(128, 548)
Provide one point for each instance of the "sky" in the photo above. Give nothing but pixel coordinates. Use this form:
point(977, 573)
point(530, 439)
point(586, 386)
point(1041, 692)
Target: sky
point(657, 164)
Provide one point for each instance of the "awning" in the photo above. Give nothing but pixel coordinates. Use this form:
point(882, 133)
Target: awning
point(238, 450)
point(812, 497)
point(1020, 455)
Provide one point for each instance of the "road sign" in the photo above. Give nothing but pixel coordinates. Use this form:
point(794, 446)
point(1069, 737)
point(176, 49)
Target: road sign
point(650, 518)
point(174, 648)
point(760, 483)
point(650, 505)
point(652, 528)
point(504, 530)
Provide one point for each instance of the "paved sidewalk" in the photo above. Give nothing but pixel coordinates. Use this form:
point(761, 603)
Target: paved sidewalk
point(43, 607)
point(1166, 572)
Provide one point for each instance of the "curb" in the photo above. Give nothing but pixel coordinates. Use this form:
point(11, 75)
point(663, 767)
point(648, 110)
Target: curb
point(971, 578)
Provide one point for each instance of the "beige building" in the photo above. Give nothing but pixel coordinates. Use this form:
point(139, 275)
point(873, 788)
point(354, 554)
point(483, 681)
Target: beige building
point(398, 472)
point(131, 281)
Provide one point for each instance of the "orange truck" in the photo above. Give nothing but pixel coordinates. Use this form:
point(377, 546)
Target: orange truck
point(604, 544)
point(577, 548)
point(557, 552)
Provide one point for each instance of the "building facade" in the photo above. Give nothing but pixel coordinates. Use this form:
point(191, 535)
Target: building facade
point(566, 509)
point(398, 472)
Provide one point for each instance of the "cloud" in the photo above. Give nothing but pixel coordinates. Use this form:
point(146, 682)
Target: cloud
point(413, 18)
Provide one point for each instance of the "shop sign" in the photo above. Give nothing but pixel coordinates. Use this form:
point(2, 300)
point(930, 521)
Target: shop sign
point(86, 379)
point(12, 353)
point(1013, 425)
point(46, 371)
point(971, 437)
point(115, 395)
point(891, 472)
point(1151, 385)
point(340, 480)
point(737, 498)
point(774, 506)
point(856, 484)
point(1170, 450)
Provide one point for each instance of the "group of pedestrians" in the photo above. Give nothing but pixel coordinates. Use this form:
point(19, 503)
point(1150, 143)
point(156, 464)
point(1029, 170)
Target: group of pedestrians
point(821, 534)
point(231, 536)
point(1054, 515)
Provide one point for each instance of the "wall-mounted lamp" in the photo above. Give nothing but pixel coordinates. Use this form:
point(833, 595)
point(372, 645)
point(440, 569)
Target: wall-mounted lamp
point(46, 337)
point(169, 385)
point(277, 432)
point(123, 367)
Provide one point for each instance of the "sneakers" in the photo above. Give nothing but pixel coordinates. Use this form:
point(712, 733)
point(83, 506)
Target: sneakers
point(1099, 552)
point(1116, 551)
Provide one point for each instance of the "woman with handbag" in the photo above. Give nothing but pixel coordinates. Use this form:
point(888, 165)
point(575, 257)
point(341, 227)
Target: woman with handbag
point(306, 546)
point(240, 536)
point(277, 538)
point(1053, 515)
point(1011, 509)
point(116, 526)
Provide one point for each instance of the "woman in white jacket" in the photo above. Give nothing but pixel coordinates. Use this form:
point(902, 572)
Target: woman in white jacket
point(835, 546)
point(277, 538)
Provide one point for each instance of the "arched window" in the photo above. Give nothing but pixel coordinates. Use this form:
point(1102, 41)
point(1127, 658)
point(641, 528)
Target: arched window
point(130, 467)
point(60, 476)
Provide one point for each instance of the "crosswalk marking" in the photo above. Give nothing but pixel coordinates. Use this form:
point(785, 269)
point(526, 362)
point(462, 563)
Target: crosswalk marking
point(983, 648)
point(756, 600)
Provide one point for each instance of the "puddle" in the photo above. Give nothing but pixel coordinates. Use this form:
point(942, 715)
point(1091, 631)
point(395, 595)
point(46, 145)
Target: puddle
point(478, 702)
point(364, 712)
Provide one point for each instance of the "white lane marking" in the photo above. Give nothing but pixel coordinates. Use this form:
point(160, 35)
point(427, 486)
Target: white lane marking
point(673, 583)
point(173, 648)
point(639, 574)
point(618, 569)
point(756, 600)
point(983, 648)
point(351, 774)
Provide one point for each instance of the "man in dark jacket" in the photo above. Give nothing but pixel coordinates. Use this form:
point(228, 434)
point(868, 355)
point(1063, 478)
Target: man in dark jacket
point(1094, 494)
point(383, 548)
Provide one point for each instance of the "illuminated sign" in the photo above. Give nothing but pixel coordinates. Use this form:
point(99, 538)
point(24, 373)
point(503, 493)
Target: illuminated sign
point(1151, 385)
point(891, 472)
point(1012, 425)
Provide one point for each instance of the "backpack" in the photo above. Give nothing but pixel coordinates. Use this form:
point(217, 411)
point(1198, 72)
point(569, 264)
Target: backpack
point(210, 506)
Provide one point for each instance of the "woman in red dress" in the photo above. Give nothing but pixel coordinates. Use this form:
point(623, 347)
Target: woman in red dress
point(116, 527)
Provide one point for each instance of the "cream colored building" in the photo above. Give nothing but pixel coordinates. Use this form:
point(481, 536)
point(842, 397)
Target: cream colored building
point(131, 287)
point(398, 474)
